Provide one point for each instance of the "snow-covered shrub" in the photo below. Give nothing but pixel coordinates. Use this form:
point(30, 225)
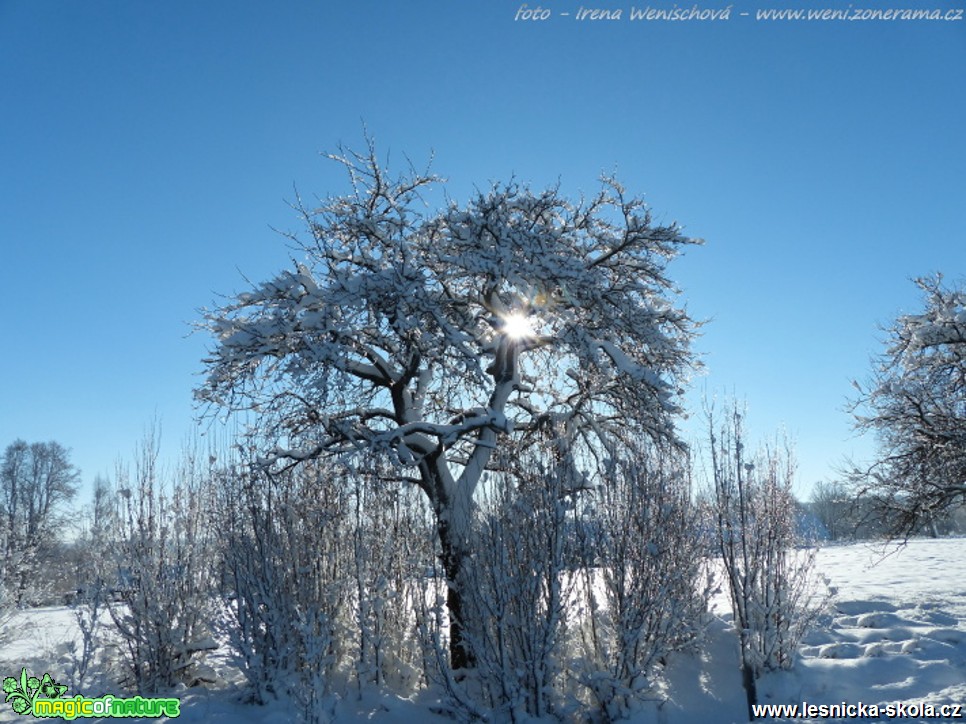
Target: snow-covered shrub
point(287, 578)
point(645, 584)
point(392, 551)
point(769, 573)
point(322, 572)
point(6, 596)
point(162, 577)
point(96, 567)
point(518, 584)
point(7, 607)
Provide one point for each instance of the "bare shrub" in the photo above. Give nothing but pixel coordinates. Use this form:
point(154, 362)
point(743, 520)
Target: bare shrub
point(646, 585)
point(162, 578)
point(286, 577)
point(519, 583)
point(392, 547)
point(769, 575)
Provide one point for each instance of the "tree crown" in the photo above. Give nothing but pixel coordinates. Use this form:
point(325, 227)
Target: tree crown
point(427, 335)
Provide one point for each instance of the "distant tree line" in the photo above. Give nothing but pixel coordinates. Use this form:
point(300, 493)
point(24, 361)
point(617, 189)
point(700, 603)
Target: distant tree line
point(838, 513)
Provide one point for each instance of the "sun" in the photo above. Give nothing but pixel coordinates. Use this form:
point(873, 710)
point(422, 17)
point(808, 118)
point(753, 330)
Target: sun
point(517, 325)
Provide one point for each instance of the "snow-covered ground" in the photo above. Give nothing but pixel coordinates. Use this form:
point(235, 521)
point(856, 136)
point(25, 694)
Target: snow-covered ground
point(896, 633)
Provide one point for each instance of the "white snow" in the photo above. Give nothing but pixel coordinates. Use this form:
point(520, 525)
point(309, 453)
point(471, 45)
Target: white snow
point(896, 632)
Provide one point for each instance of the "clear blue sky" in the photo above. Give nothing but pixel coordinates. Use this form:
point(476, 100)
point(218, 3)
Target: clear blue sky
point(147, 147)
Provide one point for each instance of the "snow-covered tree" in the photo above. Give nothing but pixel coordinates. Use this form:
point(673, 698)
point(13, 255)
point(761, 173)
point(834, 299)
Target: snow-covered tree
point(835, 509)
point(431, 338)
point(915, 404)
point(36, 480)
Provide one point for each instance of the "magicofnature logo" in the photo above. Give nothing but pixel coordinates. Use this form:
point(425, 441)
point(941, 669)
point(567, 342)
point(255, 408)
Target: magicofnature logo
point(45, 698)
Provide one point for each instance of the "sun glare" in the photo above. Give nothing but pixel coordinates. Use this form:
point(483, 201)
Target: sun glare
point(517, 326)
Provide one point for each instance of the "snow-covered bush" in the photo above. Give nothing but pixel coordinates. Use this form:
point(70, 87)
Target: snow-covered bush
point(769, 572)
point(392, 546)
point(287, 578)
point(162, 576)
point(583, 583)
point(518, 584)
point(7, 607)
point(96, 567)
point(322, 574)
point(645, 583)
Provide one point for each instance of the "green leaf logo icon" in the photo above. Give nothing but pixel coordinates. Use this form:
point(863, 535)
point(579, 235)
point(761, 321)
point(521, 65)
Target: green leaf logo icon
point(23, 693)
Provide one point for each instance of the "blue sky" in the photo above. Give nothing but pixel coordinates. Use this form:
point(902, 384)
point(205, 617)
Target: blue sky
point(147, 148)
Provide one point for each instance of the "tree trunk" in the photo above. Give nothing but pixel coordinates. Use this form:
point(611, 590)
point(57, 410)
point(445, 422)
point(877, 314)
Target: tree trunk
point(454, 558)
point(748, 677)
